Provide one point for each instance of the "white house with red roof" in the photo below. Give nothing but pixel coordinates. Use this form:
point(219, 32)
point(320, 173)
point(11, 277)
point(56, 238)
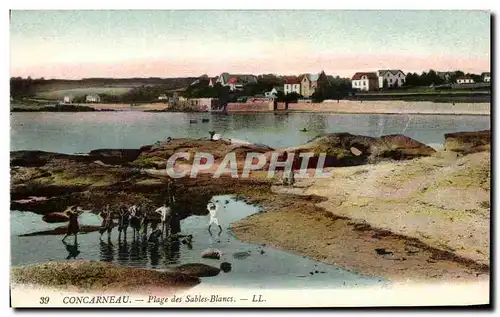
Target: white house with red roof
point(365, 81)
point(292, 84)
point(235, 83)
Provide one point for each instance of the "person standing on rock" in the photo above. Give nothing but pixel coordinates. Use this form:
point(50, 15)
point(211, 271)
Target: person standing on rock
point(73, 225)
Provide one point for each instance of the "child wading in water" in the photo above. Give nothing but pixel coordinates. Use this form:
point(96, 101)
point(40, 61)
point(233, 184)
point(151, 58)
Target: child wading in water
point(213, 209)
point(73, 225)
point(107, 223)
point(123, 222)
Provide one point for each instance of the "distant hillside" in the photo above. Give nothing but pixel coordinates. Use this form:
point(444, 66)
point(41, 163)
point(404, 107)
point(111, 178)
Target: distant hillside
point(56, 88)
point(56, 84)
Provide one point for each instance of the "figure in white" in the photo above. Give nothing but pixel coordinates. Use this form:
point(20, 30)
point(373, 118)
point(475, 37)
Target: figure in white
point(165, 213)
point(213, 208)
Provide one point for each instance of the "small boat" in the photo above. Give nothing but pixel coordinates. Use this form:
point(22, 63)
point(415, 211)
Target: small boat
point(205, 120)
point(193, 121)
point(303, 130)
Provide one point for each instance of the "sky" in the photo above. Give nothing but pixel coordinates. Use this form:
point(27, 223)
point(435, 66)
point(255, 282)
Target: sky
point(79, 44)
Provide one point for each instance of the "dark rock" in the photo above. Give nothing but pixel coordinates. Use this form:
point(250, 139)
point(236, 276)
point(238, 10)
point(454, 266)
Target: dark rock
point(54, 217)
point(241, 255)
point(345, 149)
point(468, 142)
point(198, 269)
point(400, 147)
point(382, 252)
point(225, 267)
point(115, 156)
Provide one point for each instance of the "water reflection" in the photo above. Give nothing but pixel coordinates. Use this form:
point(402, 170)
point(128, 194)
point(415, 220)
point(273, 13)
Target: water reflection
point(154, 254)
point(269, 269)
point(107, 251)
point(72, 249)
point(171, 250)
point(141, 251)
point(123, 252)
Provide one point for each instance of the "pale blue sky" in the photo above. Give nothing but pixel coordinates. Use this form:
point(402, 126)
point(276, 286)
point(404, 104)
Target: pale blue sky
point(273, 39)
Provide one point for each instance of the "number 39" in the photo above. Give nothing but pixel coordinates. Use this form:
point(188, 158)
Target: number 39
point(44, 300)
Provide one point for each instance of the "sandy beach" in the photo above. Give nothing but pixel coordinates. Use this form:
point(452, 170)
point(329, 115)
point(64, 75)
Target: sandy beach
point(430, 216)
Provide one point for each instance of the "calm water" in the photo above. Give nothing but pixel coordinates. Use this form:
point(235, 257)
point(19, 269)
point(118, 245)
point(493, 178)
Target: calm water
point(82, 132)
point(263, 268)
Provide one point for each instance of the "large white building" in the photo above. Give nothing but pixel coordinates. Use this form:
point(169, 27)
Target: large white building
point(365, 81)
point(391, 78)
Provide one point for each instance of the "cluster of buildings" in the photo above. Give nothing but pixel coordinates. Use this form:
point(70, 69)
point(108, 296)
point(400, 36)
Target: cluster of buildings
point(233, 81)
point(386, 78)
point(469, 80)
point(88, 98)
point(391, 78)
point(305, 84)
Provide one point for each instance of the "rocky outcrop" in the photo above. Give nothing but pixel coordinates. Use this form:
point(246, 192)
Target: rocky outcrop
point(157, 155)
point(198, 269)
point(130, 176)
point(468, 142)
point(399, 147)
point(99, 276)
point(345, 149)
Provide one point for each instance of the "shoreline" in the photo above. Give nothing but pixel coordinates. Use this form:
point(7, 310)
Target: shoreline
point(391, 107)
point(269, 112)
point(363, 113)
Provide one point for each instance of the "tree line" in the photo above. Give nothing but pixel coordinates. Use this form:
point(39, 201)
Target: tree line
point(433, 78)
